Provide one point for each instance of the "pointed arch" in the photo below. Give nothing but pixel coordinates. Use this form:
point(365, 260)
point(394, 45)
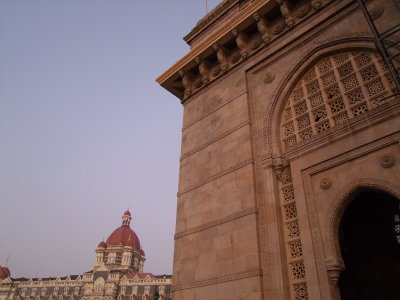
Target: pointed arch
point(343, 200)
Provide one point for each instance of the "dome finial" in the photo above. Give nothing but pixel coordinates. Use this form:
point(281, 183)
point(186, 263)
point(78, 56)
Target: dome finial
point(126, 218)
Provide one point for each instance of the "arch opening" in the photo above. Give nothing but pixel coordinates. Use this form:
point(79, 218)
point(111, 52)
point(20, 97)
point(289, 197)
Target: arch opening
point(369, 238)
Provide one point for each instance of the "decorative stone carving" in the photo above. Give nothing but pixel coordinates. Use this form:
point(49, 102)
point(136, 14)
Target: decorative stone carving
point(235, 57)
point(222, 57)
point(303, 10)
point(388, 161)
point(269, 77)
point(255, 43)
point(187, 83)
point(325, 183)
point(198, 83)
point(241, 42)
point(333, 89)
point(278, 27)
point(316, 4)
point(278, 172)
point(334, 269)
point(204, 69)
point(216, 70)
point(289, 20)
point(375, 9)
point(262, 28)
point(281, 171)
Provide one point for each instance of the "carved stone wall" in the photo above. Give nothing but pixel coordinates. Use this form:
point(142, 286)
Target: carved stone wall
point(292, 237)
point(334, 90)
point(277, 101)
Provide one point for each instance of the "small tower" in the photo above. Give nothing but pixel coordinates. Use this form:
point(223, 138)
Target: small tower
point(126, 218)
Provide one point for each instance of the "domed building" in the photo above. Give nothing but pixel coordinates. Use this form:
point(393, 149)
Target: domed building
point(122, 250)
point(117, 274)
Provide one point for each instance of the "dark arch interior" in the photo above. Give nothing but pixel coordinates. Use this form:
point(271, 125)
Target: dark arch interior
point(369, 237)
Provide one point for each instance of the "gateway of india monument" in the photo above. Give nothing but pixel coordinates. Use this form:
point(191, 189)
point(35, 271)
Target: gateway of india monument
point(289, 181)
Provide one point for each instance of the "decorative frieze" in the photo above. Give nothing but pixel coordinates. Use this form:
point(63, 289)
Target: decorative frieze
point(260, 26)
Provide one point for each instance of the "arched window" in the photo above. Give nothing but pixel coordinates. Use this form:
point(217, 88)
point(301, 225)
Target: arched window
point(76, 290)
point(99, 285)
point(134, 290)
point(334, 90)
point(111, 257)
point(123, 290)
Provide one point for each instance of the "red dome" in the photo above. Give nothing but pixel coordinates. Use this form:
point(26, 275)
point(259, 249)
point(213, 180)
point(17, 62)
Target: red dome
point(127, 213)
point(102, 244)
point(142, 252)
point(4, 272)
point(124, 236)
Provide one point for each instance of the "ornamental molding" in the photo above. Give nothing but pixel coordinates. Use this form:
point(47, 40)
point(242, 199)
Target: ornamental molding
point(217, 222)
point(247, 44)
point(214, 38)
point(355, 153)
point(253, 272)
point(384, 112)
point(217, 175)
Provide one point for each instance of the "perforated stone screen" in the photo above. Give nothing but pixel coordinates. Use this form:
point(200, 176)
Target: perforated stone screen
point(334, 90)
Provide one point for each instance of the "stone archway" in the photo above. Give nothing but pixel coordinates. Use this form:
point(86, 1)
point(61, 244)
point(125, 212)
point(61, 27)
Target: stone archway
point(369, 238)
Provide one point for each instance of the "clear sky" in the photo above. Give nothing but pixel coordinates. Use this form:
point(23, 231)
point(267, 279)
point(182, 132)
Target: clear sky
point(85, 131)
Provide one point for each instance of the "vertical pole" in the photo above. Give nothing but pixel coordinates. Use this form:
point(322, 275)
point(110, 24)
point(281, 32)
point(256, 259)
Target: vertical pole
point(380, 45)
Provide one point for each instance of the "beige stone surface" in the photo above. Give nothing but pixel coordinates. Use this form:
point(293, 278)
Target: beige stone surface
point(257, 218)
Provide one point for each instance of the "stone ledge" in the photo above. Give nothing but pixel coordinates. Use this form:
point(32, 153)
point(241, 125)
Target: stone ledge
point(211, 224)
point(217, 175)
point(220, 279)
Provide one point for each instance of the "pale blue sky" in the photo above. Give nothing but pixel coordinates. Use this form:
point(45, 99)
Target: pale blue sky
point(85, 130)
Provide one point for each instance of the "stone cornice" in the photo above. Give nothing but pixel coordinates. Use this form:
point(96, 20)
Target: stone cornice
point(250, 26)
point(219, 34)
point(210, 18)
